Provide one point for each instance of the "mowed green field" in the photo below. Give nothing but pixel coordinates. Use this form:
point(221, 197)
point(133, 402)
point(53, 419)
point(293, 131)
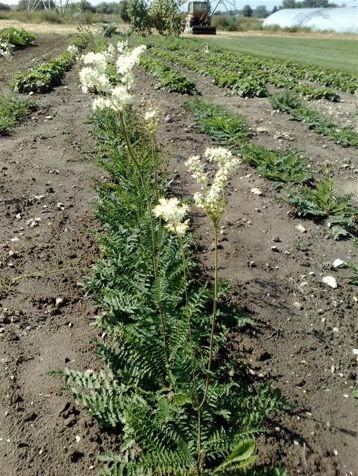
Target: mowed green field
point(330, 53)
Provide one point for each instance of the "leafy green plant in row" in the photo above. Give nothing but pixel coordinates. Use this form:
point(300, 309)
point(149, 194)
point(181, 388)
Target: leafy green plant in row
point(18, 38)
point(233, 132)
point(13, 110)
point(168, 385)
point(245, 74)
point(43, 78)
point(169, 80)
point(322, 203)
point(312, 198)
point(245, 85)
point(222, 126)
point(273, 70)
point(291, 104)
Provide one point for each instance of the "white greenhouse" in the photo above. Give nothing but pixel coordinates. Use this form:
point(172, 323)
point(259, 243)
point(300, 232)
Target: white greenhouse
point(340, 19)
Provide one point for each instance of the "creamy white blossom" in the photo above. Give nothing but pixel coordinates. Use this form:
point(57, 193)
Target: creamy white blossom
point(173, 213)
point(126, 61)
point(211, 198)
point(97, 60)
point(93, 80)
point(151, 119)
point(120, 97)
point(110, 53)
point(5, 49)
point(73, 50)
point(102, 103)
point(197, 167)
point(122, 47)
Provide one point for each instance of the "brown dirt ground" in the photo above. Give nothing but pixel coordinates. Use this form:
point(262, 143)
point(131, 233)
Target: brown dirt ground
point(48, 46)
point(46, 172)
point(39, 27)
point(306, 352)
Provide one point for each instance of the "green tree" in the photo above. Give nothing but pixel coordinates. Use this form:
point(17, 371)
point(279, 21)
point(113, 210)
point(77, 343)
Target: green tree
point(166, 17)
point(247, 11)
point(123, 11)
point(4, 6)
point(138, 13)
point(85, 6)
point(289, 4)
point(261, 12)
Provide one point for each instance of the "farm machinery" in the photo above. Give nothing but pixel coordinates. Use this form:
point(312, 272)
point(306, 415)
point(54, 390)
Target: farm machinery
point(199, 14)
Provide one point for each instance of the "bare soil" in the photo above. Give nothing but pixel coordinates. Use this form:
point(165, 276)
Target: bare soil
point(47, 245)
point(305, 332)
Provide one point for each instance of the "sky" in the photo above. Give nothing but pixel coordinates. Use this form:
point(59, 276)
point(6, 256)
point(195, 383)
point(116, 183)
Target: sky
point(239, 3)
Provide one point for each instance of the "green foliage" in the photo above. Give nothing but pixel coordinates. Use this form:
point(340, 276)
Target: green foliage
point(109, 29)
point(46, 76)
point(276, 165)
point(250, 75)
point(17, 37)
point(322, 203)
point(13, 110)
point(138, 13)
point(224, 128)
point(354, 277)
point(169, 80)
point(312, 92)
point(147, 391)
point(166, 17)
point(291, 104)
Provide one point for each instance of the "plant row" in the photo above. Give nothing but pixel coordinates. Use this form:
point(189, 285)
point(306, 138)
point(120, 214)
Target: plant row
point(248, 86)
point(270, 71)
point(169, 80)
point(46, 76)
point(312, 197)
point(13, 110)
point(292, 105)
point(168, 385)
point(12, 39)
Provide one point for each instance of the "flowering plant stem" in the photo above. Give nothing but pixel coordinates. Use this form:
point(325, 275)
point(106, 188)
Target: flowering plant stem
point(200, 408)
point(137, 165)
point(190, 330)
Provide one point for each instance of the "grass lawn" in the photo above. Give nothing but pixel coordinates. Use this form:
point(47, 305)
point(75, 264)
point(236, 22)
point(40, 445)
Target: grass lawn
point(330, 53)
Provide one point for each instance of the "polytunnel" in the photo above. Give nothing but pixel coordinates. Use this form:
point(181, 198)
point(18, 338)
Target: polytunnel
point(339, 19)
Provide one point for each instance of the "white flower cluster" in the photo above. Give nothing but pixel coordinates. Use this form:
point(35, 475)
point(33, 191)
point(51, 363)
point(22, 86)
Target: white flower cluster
point(73, 50)
point(94, 80)
point(212, 197)
point(5, 49)
point(126, 62)
point(151, 119)
point(173, 213)
point(94, 76)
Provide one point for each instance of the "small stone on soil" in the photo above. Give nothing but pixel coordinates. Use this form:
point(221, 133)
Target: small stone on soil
point(330, 281)
point(256, 191)
point(300, 228)
point(339, 263)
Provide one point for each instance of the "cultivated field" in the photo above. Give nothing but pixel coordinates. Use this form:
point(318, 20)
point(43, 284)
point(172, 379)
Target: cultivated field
point(71, 196)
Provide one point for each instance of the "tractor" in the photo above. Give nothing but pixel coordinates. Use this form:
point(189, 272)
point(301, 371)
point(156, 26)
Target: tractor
point(198, 20)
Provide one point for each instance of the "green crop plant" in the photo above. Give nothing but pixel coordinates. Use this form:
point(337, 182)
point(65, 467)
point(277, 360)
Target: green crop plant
point(167, 386)
point(169, 80)
point(46, 76)
point(13, 110)
point(223, 127)
point(276, 165)
point(322, 203)
point(18, 38)
point(292, 105)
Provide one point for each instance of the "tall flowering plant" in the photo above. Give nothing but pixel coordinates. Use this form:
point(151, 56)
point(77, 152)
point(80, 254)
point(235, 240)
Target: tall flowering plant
point(212, 199)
